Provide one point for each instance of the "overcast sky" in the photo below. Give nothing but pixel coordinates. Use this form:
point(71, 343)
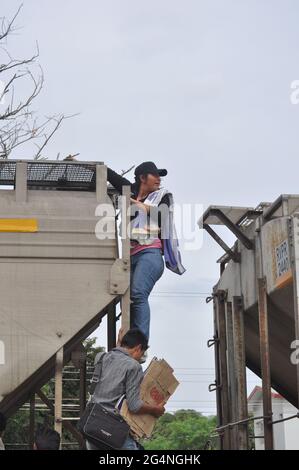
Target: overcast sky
point(200, 87)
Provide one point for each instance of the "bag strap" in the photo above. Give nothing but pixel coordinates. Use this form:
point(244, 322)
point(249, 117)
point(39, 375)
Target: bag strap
point(97, 374)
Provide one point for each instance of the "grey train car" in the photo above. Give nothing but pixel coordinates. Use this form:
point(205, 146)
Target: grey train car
point(255, 309)
point(57, 278)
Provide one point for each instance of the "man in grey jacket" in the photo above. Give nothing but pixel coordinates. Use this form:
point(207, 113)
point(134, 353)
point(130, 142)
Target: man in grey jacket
point(122, 375)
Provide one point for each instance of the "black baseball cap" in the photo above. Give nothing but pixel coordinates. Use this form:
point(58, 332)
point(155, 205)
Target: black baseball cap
point(149, 167)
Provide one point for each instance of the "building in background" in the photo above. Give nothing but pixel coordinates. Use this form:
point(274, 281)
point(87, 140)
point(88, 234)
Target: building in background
point(286, 434)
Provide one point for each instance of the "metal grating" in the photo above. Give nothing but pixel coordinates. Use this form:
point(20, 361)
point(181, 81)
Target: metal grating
point(7, 173)
point(54, 175)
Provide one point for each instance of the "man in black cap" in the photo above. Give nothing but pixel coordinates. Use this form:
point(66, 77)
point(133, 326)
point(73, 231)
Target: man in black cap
point(147, 263)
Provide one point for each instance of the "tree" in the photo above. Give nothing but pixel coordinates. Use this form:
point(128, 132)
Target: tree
point(19, 123)
point(183, 430)
point(17, 431)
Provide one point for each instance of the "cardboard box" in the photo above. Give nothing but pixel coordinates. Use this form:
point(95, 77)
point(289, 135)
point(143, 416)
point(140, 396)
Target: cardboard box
point(157, 386)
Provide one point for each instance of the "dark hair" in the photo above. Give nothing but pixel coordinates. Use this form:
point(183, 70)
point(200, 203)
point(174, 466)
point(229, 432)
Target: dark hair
point(2, 423)
point(47, 439)
point(134, 337)
point(138, 181)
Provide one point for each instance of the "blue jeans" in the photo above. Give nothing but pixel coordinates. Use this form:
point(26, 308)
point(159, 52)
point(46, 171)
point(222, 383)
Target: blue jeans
point(147, 266)
point(129, 444)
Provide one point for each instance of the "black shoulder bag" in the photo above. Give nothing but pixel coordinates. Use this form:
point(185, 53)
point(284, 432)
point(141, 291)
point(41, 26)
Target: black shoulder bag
point(103, 428)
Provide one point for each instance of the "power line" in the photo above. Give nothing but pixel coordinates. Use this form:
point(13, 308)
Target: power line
point(194, 368)
point(196, 373)
point(179, 295)
point(181, 292)
point(192, 401)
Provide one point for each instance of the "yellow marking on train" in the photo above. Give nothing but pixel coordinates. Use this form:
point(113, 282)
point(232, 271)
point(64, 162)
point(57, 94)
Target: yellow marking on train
point(18, 225)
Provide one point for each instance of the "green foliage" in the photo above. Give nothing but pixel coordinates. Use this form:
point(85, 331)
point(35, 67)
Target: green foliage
point(91, 350)
point(183, 430)
point(17, 432)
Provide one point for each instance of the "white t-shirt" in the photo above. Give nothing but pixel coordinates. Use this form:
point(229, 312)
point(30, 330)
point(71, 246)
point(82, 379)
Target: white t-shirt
point(1, 445)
